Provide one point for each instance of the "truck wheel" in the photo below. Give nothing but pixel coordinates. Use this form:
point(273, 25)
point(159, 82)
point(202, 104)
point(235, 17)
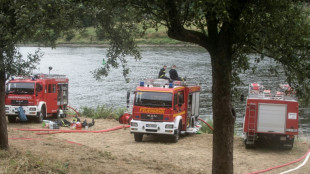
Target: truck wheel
point(288, 145)
point(138, 137)
point(41, 115)
point(177, 132)
point(57, 116)
point(12, 119)
point(176, 136)
point(248, 146)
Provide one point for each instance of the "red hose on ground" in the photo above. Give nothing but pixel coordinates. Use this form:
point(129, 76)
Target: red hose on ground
point(283, 165)
point(55, 131)
point(206, 123)
point(74, 110)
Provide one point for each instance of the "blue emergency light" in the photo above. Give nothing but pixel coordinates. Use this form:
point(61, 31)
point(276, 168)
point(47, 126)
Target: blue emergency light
point(142, 83)
point(170, 85)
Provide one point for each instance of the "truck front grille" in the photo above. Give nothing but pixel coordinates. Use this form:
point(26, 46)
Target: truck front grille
point(19, 102)
point(152, 117)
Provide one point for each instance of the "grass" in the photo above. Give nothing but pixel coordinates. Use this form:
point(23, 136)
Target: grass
point(102, 112)
point(14, 161)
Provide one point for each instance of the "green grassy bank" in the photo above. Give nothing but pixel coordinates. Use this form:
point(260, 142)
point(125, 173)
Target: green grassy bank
point(89, 36)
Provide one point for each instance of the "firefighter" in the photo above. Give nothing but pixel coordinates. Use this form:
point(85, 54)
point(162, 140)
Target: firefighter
point(174, 74)
point(162, 73)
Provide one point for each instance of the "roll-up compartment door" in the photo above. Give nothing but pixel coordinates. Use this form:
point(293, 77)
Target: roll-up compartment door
point(271, 118)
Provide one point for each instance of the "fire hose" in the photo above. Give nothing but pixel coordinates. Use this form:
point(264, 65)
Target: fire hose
point(306, 155)
point(74, 110)
point(289, 163)
point(55, 131)
point(206, 123)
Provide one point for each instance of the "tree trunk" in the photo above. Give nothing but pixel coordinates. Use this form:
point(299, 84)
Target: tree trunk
point(3, 128)
point(223, 119)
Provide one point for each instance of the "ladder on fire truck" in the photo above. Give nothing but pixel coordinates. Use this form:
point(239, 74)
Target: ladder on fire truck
point(251, 124)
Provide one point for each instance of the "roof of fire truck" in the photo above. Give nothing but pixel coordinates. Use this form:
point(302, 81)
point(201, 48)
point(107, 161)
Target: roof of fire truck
point(163, 85)
point(37, 77)
point(284, 92)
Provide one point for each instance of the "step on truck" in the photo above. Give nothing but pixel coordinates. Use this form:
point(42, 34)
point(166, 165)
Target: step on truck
point(163, 108)
point(40, 96)
point(270, 116)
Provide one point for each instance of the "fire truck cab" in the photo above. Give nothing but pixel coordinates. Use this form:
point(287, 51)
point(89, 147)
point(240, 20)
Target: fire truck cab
point(39, 97)
point(165, 108)
point(271, 117)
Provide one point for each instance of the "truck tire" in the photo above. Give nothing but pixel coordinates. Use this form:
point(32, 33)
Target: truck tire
point(57, 116)
point(138, 137)
point(176, 136)
point(41, 115)
point(288, 145)
point(249, 146)
point(12, 119)
point(177, 132)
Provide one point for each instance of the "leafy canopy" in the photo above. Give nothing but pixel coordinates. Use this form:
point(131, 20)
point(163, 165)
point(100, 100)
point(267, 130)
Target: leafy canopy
point(36, 21)
point(275, 29)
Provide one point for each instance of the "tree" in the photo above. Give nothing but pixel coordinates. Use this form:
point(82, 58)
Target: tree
point(29, 20)
point(229, 31)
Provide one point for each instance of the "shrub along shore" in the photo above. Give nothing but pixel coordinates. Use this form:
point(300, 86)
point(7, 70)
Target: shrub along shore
point(89, 38)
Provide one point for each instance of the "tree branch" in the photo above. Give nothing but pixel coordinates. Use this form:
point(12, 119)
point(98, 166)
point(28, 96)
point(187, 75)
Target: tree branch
point(177, 31)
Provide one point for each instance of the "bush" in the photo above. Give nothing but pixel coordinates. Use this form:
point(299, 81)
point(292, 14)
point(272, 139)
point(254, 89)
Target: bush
point(102, 112)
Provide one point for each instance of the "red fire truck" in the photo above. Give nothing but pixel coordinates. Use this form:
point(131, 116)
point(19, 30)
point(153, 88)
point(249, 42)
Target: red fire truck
point(270, 117)
point(40, 96)
point(165, 108)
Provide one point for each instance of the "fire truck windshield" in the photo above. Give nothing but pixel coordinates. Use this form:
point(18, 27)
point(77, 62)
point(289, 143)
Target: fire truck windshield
point(21, 88)
point(153, 99)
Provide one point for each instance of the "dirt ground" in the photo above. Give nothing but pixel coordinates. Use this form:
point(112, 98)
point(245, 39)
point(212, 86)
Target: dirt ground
point(117, 152)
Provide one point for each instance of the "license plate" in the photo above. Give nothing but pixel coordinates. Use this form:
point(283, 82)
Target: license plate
point(151, 125)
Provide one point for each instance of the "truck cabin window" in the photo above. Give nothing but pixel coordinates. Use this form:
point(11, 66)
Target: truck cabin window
point(153, 99)
point(21, 88)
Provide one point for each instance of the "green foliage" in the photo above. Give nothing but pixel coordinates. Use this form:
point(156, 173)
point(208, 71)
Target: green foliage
point(36, 21)
point(91, 36)
point(204, 128)
point(116, 23)
point(279, 30)
point(102, 112)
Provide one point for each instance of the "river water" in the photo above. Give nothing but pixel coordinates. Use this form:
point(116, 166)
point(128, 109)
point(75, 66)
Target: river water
point(193, 62)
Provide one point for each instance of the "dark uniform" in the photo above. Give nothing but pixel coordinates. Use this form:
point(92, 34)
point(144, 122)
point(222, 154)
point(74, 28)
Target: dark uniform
point(162, 74)
point(174, 75)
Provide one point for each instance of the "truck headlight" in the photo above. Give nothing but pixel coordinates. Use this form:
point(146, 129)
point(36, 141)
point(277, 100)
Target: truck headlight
point(32, 109)
point(134, 124)
point(169, 126)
